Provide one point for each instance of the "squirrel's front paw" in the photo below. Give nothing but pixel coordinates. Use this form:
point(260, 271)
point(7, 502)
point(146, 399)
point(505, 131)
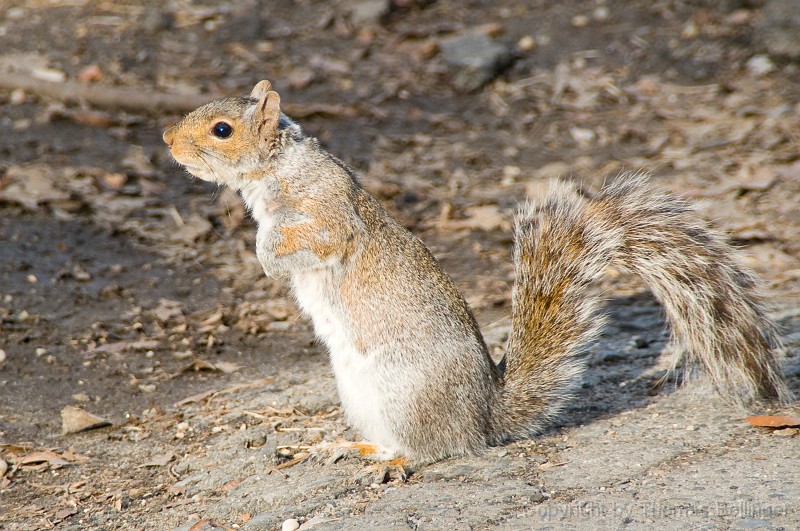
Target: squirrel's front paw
point(279, 260)
point(330, 452)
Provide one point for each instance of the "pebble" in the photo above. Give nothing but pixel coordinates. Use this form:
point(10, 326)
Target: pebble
point(601, 14)
point(16, 13)
point(2, 355)
point(779, 27)
point(759, 65)
point(363, 12)
point(526, 43)
point(290, 524)
point(475, 59)
point(579, 21)
point(18, 97)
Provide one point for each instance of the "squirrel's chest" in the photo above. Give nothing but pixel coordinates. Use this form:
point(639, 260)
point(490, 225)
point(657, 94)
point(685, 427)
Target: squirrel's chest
point(318, 298)
point(358, 374)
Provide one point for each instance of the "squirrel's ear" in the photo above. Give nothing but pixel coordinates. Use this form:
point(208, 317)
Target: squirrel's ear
point(268, 111)
point(261, 88)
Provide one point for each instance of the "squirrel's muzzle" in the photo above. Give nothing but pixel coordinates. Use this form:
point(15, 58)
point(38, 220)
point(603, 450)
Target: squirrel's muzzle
point(169, 136)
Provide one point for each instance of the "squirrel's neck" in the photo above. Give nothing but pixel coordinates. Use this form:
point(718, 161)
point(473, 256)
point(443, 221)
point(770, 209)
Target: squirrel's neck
point(261, 189)
point(259, 195)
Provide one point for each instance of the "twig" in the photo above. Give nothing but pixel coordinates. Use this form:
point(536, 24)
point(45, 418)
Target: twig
point(142, 101)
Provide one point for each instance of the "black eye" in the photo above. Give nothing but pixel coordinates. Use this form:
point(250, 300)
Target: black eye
point(222, 130)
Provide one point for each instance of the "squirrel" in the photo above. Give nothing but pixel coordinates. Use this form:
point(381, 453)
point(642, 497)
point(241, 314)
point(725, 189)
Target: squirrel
point(414, 375)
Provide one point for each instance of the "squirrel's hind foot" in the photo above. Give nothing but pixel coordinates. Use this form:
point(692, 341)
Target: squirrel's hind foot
point(383, 472)
point(388, 466)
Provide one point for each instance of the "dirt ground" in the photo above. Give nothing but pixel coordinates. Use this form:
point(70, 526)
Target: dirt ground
point(132, 292)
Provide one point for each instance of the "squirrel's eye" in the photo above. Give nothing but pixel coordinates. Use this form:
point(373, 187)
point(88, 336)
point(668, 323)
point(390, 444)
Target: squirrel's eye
point(222, 130)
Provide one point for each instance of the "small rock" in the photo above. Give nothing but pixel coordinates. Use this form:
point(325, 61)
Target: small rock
point(81, 397)
point(474, 59)
point(447, 471)
point(537, 497)
point(526, 43)
point(155, 21)
point(365, 12)
point(90, 74)
point(16, 13)
point(147, 388)
point(601, 14)
point(18, 97)
point(641, 342)
point(80, 274)
point(2, 355)
point(760, 65)
point(580, 21)
point(290, 524)
point(779, 28)
point(786, 432)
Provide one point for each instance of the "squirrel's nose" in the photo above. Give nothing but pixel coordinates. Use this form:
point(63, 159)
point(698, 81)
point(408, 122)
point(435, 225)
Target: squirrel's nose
point(169, 136)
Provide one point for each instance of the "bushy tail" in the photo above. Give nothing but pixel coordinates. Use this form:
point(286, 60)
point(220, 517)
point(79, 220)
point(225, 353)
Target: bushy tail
point(565, 243)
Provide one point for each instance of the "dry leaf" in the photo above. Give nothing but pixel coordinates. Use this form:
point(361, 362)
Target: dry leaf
point(61, 514)
point(232, 484)
point(202, 365)
point(31, 185)
point(162, 460)
point(199, 365)
point(121, 346)
point(544, 467)
point(199, 397)
point(176, 490)
point(192, 229)
point(226, 366)
point(279, 309)
point(168, 309)
point(115, 181)
point(138, 161)
point(44, 456)
point(483, 217)
point(16, 448)
point(72, 456)
point(90, 73)
point(774, 421)
point(75, 419)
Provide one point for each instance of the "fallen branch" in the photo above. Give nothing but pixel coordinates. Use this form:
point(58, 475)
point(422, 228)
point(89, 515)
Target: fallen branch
point(139, 100)
point(126, 99)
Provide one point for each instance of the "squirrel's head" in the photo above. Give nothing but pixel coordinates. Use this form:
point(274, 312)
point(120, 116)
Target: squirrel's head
point(227, 140)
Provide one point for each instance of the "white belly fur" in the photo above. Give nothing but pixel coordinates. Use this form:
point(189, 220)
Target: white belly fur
point(357, 376)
